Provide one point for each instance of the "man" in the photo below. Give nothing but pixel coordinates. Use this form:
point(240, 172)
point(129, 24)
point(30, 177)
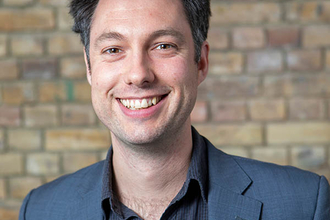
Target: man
point(145, 60)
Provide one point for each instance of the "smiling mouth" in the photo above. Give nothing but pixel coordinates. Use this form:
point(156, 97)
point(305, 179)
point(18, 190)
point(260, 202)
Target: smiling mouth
point(137, 104)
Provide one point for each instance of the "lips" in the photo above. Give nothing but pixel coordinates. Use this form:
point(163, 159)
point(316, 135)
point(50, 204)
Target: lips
point(137, 104)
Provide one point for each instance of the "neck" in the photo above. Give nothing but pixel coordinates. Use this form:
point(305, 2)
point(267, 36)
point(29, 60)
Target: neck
point(151, 178)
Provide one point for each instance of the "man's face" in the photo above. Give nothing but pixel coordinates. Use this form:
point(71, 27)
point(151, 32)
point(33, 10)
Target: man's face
point(143, 75)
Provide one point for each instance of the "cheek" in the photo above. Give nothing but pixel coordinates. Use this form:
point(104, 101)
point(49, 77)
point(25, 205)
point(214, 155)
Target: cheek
point(104, 77)
point(175, 70)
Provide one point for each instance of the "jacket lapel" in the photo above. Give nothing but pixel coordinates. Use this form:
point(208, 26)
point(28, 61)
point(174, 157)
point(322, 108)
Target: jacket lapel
point(227, 184)
point(88, 207)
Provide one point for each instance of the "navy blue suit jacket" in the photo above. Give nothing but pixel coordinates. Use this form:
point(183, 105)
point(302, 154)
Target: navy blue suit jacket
point(239, 188)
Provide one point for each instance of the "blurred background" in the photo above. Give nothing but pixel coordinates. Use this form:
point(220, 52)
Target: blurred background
point(267, 95)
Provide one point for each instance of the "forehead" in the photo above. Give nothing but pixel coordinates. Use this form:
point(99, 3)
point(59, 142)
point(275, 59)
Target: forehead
point(134, 15)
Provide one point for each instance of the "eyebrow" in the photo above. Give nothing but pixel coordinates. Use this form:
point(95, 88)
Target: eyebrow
point(168, 32)
point(159, 33)
point(109, 35)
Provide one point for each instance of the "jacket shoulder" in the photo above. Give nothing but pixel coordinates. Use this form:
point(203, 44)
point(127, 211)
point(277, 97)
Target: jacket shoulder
point(288, 189)
point(74, 183)
point(264, 170)
point(56, 198)
point(285, 192)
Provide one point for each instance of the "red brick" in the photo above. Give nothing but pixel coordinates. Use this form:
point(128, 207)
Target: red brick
point(65, 44)
point(21, 186)
point(26, 45)
point(26, 19)
point(3, 45)
point(298, 133)
point(82, 91)
point(78, 114)
point(39, 68)
point(278, 155)
point(307, 109)
point(3, 189)
point(329, 112)
point(308, 11)
point(9, 69)
point(19, 139)
point(2, 141)
point(217, 38)
point(247, 134)
point(316, 36)
point(43, 164)
point(327, 61)
point(52, 92)
point(18, 93)
point(17, 2)
point(0, 95)
point(225, 63)
point(299, 85)
point(309, 85)
point(40, 116)
point(308, 157)
point(76, 161)
point(264, 62)
point(77, 139)
point(11, 164)
point(9, 213)
point(304, 60)
point(9, 116)
point(248, 38)
point(200, 112)
point(297, 11)
point(325, 14)
point(267, 110)
point(283, 36)
point(73, 67)
point(228, 111)
point(245, 13)
point(229, 87)
point(54, 2)
point(64, 19)
point(276, 86)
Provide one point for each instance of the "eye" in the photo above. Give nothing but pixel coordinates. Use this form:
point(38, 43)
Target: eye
point(112, 50)
point(164, 46)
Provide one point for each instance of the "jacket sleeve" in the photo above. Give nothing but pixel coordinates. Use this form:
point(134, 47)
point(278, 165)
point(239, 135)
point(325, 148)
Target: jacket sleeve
point(322, 210)
point(24, 207)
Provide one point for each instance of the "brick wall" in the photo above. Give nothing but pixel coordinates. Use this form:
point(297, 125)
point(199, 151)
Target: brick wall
point(267, 95)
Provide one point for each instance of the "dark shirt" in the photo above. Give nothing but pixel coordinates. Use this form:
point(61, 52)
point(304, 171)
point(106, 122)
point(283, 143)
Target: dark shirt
point(189, 203)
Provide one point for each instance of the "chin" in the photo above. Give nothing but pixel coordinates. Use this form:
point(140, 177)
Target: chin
point(141, 137)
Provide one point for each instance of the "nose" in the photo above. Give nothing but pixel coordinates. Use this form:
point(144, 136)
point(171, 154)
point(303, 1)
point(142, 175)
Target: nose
point(139, 72)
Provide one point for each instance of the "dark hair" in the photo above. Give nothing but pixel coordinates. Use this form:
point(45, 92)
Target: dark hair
point(198, 13)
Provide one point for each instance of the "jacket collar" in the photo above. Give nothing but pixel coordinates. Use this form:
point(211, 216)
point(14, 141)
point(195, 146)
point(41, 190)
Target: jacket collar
point(227, 184)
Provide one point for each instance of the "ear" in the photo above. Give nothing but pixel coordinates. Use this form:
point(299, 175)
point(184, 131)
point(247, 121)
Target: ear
point(203, 64)
point(89, 74)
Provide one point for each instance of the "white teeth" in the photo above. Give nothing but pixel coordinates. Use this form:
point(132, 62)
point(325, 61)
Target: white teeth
point(132, 104)
point(140, 104)
point(144, 103)
point(137, 104)
point(154, 100)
